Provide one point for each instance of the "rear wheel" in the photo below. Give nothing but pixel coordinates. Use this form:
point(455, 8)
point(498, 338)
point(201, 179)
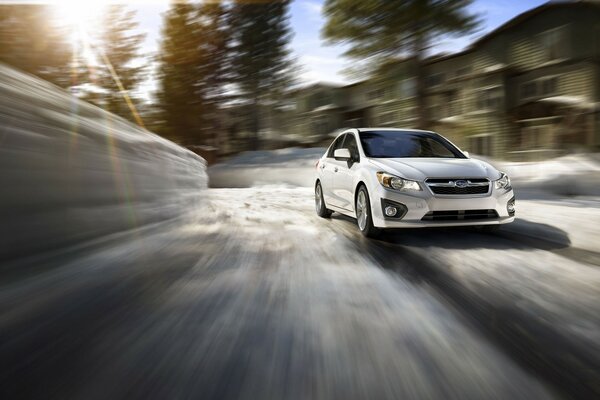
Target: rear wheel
point(364, 218)
point(322, 211)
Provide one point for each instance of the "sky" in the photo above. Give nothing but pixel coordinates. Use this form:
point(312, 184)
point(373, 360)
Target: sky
point(318, 62)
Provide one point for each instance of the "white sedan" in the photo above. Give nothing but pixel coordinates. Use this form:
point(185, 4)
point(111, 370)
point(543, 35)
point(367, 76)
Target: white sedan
point(396, 178)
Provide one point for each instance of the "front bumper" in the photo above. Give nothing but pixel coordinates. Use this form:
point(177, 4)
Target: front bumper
point(418, 204)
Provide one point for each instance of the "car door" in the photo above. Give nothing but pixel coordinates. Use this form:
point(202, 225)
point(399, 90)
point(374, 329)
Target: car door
point(327, 169)
point(343, 176)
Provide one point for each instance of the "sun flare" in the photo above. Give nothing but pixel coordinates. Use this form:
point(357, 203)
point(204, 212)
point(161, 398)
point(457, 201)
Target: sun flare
point(78, 13)
point(79, 17)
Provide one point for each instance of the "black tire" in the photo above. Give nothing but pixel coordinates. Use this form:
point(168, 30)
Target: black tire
point(320, 207)
point(364, 221)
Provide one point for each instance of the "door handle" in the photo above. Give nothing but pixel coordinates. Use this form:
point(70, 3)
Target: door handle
point(322, 166)
point(335, 169)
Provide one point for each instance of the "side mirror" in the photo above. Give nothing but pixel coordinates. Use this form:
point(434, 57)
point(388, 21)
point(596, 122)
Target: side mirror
point(466, 153)
point(342, 154)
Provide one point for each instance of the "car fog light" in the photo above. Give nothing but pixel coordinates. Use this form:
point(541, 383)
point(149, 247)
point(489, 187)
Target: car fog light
point(510, 207)
point(390, 211)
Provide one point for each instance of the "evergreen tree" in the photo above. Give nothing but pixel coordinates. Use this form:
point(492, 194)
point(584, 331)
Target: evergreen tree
point(179, 57)
point(194, 70)
point(214, 68)
point(380, 30)
point(261, 64)
point(120, 70)
point(30, 42)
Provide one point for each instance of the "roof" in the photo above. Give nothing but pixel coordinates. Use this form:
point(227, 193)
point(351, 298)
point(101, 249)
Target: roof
point(527, 15)
point(516, 21)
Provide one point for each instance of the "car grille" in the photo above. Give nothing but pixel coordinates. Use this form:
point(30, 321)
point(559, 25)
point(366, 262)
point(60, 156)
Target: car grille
point(459, 215)
point(458, 186)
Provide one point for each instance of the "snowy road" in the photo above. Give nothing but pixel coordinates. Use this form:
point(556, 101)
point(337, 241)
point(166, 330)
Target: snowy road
point(255, 297)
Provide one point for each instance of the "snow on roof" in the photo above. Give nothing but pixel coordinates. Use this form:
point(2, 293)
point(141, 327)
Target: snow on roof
point(326, 107)
point(494, 67)
point(575, 101)
point(454, 119)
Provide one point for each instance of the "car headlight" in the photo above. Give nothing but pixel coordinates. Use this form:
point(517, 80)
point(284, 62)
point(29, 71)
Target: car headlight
point(503, 182)
point(394, 182)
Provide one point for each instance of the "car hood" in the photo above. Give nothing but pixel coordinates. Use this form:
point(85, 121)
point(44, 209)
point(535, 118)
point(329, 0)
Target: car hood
point(421, 168)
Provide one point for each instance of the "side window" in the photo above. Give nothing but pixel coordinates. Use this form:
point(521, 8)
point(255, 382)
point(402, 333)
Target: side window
point(337, 144)
point(351, 145)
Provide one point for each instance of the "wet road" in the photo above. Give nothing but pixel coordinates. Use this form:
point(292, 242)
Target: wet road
point(252, 296)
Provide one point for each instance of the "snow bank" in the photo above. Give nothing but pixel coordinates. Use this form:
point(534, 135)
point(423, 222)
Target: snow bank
point(284, 167)
point(70, 171)
point(573, 175)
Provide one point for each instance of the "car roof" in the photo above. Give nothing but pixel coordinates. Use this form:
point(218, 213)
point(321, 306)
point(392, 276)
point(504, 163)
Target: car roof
point(399, 130)
point(393, 129)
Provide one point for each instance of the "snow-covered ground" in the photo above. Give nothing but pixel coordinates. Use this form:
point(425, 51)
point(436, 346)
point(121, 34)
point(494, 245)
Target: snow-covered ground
point(561, 196)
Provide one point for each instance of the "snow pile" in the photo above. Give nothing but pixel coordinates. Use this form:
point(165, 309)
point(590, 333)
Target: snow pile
point(285, 167)
point(70, 171)
point(573, 175)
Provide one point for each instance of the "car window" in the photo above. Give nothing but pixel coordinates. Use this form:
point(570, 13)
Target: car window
point(337, 144)
point(436, 149)
point(352, 146)
point(398, 144)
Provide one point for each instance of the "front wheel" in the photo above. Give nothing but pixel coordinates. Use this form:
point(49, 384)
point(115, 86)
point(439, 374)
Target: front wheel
point(364, 218)
point(322, 211)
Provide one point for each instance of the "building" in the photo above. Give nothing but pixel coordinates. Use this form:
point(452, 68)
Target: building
point(529, 89)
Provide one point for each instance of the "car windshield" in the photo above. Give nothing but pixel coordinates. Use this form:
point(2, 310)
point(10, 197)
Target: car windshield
point(401, 144)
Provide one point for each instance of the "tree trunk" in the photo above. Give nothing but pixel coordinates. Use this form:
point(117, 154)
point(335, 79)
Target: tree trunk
point(419, 55)
point(255, 124)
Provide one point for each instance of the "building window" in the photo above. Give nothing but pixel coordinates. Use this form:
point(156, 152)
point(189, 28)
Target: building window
point(464, 71)
point(408, 88)
point(553, 44)
point(376, 94)
point(320, 99)
point(541, 87)
point(549, 86)
point(536, 137)
point(436, 79)
point(481, 145)
point(489, 98)
point(528, 90)
point(321, 126)
point(434, 112)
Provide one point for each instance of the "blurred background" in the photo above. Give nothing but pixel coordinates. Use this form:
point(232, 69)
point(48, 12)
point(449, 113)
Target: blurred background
point(510, 80)
point(157, 229)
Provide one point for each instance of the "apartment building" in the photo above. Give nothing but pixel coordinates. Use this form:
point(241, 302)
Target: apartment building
point(529, 89)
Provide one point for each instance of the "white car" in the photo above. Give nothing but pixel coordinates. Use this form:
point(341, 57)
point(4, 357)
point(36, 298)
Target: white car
point(396, 178)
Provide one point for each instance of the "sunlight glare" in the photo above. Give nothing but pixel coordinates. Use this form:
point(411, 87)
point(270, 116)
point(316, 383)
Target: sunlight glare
point(78, 13)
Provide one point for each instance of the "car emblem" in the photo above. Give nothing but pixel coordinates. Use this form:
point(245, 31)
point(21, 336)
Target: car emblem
point(461, 183)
